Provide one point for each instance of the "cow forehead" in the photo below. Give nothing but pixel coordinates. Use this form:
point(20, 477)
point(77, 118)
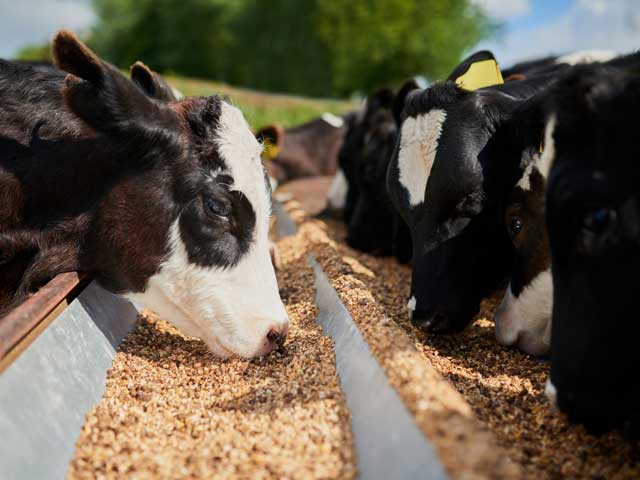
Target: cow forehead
point(419, 139)
point(241, 152)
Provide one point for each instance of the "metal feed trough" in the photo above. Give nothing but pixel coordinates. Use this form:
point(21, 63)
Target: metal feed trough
point(56, 348)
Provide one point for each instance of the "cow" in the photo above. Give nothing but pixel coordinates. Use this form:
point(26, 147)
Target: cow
point(308, 150)
point(359, 188)
point(166, 203)
point(555, 63)
point(524, 316)
point(593, 223)
point(456, 160)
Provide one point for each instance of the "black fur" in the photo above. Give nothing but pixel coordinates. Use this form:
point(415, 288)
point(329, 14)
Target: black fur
point(596, 175)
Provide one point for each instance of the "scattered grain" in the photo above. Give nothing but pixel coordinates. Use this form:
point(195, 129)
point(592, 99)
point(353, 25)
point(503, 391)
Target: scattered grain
point(171, 411)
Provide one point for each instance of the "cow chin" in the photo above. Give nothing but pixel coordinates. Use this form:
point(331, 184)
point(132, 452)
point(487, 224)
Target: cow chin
point(233, 310)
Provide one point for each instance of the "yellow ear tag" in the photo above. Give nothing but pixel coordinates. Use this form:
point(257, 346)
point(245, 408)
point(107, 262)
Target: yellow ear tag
point(270, 150)
point(479, 75)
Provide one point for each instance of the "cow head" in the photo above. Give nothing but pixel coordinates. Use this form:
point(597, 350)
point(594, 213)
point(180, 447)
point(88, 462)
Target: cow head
point(183, 221)
point(370, 227)
point(593, 221)
point(449, 178)
point(524, 316)
point(345, 189)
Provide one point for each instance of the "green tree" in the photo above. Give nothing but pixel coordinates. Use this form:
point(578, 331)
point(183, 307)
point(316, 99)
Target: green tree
point(313, 47)
point(189, 37)
point(35, 53)
point(277, 48)
point(376, 42)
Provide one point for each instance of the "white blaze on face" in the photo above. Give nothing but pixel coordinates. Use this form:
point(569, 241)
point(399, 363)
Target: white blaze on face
point(541, 162)
point(586, 56)
point(549, 153)
point(231, 309)
point(526, 319)
point(418, 148)
point(338, 190)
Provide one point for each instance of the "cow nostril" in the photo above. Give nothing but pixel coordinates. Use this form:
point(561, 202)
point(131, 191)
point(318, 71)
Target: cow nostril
point(277, 336)
point(431, 322)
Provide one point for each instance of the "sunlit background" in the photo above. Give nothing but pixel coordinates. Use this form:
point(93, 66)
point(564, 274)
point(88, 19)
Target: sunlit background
point(321, 48)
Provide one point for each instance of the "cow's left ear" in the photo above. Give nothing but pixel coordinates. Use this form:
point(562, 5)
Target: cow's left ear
point(150, 82)
point(398, 103)
point(103, 98)
point(478, 71)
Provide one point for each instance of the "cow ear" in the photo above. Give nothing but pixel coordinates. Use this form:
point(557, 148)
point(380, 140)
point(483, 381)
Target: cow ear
point(478, 71)
point(272, 137)
point(380, 99)
point(398, 103)
point(151, 82)
point(103, 98)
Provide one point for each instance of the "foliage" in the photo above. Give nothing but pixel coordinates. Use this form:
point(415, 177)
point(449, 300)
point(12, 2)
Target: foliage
point(308, 47)
point(190, 37)
point(376, 42)
point(35, 53)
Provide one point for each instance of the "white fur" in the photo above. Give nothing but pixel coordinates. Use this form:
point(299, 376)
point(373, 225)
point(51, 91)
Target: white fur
point(411, 305)
point(524, 182)
point(586, 56)
point(177, 93)
point(542, 162)
point(551, 393)
point(232, 309)
point(333, 120)
point(549, 153)
point(418, 148)
point(526, 319)
point(338, 190)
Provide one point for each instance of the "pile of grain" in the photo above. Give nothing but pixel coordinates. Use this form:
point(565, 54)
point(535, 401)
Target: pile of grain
point(503, 386)
point(171, 411)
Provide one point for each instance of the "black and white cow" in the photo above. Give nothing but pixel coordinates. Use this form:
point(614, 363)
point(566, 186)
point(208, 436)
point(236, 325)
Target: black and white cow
point(524, 317)
point(457, 158)
point(593, 221)
point(166, 203)
point(344, 191)
point(373, 225)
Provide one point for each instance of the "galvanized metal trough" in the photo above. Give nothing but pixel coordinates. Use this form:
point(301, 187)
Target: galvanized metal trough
point(56, 348)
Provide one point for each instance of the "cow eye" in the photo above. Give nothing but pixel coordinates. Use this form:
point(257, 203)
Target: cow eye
point(598, 220)
point(216, 207)
point(515, 226)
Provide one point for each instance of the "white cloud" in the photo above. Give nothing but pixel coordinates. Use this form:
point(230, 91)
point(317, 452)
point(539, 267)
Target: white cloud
point(504, 9)
point(588, 24)
point(35, 21)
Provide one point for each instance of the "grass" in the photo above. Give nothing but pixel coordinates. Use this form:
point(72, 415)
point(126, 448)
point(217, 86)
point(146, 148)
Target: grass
point(260, 108)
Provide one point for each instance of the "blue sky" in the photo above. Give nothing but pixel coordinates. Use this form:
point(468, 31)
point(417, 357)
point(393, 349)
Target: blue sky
point(534, 28)
point(531, 27)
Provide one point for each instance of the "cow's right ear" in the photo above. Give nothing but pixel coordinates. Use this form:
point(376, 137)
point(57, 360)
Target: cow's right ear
point(398, 103)
point(102, 97)
point(151, 82)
